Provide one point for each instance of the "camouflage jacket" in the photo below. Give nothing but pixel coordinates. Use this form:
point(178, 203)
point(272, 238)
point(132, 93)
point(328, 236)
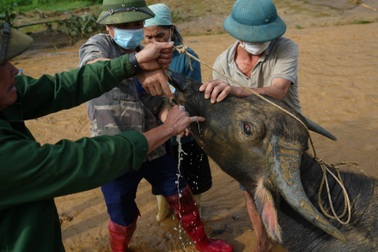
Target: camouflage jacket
point(125, 107)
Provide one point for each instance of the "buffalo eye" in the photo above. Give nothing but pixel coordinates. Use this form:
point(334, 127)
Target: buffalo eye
point(254, 130)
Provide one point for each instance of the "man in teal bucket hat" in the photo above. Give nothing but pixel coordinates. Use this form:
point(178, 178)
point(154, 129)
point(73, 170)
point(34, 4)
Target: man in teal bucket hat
point(130, 106)
point(257, 22)
point(264, 61)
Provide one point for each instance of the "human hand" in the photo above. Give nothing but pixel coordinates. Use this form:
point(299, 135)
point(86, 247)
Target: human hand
point(155, 82)
point(179, 120)
point(155, 55)
point(186, 132)
point(216, 90)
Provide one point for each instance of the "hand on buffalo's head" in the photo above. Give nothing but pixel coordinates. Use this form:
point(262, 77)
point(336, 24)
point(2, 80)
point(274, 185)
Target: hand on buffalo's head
point(216, 90)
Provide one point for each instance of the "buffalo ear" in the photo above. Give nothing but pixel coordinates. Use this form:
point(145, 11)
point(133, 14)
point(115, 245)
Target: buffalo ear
point(265, 205)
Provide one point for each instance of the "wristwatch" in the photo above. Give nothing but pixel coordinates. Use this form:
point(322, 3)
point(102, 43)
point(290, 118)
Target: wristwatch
point(134, 63)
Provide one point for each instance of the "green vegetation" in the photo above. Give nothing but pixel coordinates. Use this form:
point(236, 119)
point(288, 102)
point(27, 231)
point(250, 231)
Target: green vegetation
point(7, 11)
point(77, 27)
point(362, 21)
point(73, 26)
point(56, 5)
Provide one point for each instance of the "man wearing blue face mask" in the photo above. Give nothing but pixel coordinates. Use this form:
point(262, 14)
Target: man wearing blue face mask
point(129, 106)
point(126, 38)
point(262, 60)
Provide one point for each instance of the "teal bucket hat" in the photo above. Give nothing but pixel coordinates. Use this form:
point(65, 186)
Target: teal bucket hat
point(12, 42)
point(123, 11)
point(254, 21)
point(162, 16)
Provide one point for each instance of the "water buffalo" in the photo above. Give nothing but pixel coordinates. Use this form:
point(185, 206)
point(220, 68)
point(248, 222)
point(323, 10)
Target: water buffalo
point(264, 149)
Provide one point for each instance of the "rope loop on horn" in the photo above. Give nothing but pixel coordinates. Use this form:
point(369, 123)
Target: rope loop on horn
point(326, 168)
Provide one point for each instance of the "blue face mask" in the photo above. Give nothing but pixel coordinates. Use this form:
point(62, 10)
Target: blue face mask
point(128, 39)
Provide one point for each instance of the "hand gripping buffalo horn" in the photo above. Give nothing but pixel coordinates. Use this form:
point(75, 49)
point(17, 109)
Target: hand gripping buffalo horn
point(285, 176)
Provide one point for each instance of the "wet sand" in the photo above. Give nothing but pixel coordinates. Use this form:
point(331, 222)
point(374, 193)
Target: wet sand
point(338, 89)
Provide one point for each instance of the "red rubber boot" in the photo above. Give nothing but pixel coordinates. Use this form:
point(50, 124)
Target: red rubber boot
point(187, 213)
point(120, 236)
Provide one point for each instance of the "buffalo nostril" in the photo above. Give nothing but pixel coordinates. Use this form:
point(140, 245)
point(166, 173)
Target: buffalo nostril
point(246, 128)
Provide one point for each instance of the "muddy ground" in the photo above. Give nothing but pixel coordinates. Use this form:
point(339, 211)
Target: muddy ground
point(338, 88)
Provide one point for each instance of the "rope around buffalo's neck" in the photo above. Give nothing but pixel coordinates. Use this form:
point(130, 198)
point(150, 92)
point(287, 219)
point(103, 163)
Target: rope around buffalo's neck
point(347, 206)
point(182, 49)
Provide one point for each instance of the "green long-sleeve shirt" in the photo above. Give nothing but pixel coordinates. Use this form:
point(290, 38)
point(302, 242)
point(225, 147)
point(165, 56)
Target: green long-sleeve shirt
point(31, 174)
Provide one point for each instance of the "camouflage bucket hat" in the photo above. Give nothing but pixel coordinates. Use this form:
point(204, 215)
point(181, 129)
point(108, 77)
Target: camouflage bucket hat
point(124, 11)
point(254, 21)
point(13, 42)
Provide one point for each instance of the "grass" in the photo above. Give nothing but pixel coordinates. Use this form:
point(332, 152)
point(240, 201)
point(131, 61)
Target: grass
point(57, 7)
point(361, 21)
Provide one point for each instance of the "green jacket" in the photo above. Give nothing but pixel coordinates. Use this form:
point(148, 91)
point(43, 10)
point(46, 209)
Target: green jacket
point(31, 174)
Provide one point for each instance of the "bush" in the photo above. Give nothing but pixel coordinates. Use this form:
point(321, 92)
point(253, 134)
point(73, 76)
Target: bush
point(76, 27)
point(7, 12)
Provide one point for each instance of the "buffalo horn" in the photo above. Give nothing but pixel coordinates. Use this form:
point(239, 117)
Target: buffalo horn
point(319, 129)
point(285, 176)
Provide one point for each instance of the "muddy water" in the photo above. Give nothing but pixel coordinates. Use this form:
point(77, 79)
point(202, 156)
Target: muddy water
point(338, 80)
